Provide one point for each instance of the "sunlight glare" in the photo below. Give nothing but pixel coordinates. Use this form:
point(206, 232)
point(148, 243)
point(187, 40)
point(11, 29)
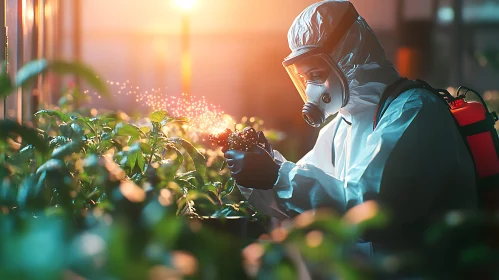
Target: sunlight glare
point(184, 4)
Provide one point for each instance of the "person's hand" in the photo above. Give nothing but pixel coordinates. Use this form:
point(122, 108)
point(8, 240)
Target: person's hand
point(254, 169)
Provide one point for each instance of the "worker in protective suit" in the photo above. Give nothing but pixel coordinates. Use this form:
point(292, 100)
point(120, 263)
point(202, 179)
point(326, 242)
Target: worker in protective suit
point(414, 163)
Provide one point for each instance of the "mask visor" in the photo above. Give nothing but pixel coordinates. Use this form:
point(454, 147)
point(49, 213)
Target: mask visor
point(317, 68)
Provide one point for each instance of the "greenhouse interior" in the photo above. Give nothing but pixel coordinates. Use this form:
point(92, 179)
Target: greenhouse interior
point(233, 139)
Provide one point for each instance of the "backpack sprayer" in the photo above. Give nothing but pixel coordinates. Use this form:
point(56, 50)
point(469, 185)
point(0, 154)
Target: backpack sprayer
point(475, 123)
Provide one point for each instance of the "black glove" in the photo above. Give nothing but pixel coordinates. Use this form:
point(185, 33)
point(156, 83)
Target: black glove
point(262, 140)
point(254, 169)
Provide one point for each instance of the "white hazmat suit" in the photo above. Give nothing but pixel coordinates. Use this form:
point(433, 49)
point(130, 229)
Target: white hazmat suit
point(414, 162)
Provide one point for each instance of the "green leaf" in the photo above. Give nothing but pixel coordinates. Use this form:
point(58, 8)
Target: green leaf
point(186, 175)
point(25, 191)
point(63, 117)
point(193, 178)
point(6, 86)
point(145, 129)
point(102, 121)
point(158, 116)
point(201, 203)
point(229, 186)
point(182, 206)
point(230, 210)
point(78, 131)
point(58, 141)
point(80, 70)
point(34, 68)
point(179, 119)
point(184, 183)
point(141, 161)
point(66, 130)
point(88, 123)
point(141, 133)
point(123, 129)
point(198, 158)
point(168, 170)
point(67, 149)
point(146, 148)
point(25, 155)
point(132, 158)
point(7, 195)
point(29, 135)
point(211, 188)
point(105, 145)
point(196, 195)
point(51, 164)
point(30, 70)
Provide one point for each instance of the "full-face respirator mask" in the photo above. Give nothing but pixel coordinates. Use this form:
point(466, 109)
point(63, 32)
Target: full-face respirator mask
point(318, 79)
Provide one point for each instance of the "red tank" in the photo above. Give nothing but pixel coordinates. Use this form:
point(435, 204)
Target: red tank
point(481, 144)
point(477, 124)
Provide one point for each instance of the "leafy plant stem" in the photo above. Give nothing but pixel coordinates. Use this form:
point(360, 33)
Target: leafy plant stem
point(93, 130)
point(153, 148)
point(152, 154)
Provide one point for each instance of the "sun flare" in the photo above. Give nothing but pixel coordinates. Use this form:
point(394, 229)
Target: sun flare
point(185, 4)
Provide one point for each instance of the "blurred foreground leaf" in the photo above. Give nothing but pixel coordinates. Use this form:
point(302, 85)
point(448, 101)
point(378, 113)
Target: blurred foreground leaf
point(158, 116)
point(59, 114)
point(29, 135)
point(6, 86)
point(37, 67)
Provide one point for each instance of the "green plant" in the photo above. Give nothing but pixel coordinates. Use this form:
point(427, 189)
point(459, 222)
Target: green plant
point(104, 179)
point(159, 150)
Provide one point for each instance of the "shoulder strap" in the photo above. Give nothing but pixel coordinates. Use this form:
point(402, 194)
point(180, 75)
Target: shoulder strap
point(393, 91)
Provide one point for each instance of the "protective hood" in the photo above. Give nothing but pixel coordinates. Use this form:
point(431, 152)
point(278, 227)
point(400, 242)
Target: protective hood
point(358, 54)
